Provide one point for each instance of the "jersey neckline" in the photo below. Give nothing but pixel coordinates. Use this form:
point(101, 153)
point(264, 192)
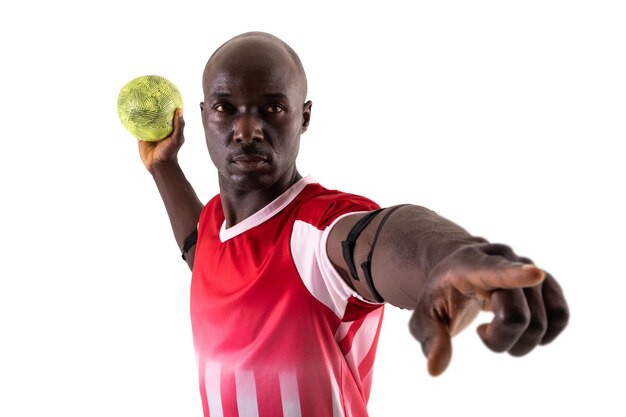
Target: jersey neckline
point(266, 212)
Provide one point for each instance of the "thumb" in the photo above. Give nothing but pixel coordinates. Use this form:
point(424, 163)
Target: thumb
point(179, 125)
point(431, 330)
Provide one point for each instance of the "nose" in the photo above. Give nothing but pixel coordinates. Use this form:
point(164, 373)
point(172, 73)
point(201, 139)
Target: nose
point(248, 128)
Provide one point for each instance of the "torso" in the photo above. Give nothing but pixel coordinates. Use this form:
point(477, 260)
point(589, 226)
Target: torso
point(276, 329)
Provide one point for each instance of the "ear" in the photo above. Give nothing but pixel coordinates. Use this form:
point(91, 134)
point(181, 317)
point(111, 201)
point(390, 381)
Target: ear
point(202, 114)
point(306, 115)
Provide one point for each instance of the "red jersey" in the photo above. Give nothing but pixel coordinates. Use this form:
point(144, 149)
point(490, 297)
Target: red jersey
point(277, 331)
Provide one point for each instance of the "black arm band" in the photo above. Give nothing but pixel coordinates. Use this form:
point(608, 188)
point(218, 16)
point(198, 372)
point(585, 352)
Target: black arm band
point(189, 242)
point(347, 245)
point(367, 265)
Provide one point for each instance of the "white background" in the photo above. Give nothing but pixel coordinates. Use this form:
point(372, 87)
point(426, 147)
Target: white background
point(506, 117)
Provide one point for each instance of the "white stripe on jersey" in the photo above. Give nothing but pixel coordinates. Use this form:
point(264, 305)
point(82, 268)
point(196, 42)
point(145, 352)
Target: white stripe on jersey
point(343, 330)
point(305, 251)
point(336, 393)
point(246, 394)
point(363, 339)
point(266, 212)
point(212, 385)
point(315, 268)
point(289, 394)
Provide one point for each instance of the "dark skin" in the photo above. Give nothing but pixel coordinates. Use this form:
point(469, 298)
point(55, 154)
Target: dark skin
point(253, 113)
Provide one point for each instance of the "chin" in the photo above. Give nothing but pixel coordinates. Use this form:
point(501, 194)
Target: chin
point(250, 181)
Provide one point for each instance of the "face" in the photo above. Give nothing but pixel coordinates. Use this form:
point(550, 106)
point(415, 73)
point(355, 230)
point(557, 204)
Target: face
point(253, 115)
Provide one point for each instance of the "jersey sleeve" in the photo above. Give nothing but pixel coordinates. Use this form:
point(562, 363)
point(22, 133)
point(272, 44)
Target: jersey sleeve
point(308, 247)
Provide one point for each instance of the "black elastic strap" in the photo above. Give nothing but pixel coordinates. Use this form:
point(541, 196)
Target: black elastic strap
point(347, 245)
point(367, 265)
point(189, 242)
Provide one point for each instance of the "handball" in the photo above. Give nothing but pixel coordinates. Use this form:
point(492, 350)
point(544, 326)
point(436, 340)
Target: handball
point(146, 107)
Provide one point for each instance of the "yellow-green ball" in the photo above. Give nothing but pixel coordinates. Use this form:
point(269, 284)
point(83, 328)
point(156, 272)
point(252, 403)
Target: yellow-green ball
point(146, 107)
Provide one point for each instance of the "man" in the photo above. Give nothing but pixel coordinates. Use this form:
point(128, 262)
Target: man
point(289, 278)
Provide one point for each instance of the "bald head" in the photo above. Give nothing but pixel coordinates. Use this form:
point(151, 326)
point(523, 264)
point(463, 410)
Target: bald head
point(254, 112)
point(258, 52)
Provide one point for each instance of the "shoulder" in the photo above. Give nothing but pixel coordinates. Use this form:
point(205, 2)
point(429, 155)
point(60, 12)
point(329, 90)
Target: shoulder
point(212, 211)
point(213, 205)
point(320, 206)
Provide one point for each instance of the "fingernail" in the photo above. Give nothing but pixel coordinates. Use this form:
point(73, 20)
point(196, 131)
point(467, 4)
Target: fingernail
point(539, 274)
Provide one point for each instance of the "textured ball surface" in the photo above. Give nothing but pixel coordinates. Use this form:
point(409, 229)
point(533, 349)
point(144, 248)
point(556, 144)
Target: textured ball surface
point(146, 107)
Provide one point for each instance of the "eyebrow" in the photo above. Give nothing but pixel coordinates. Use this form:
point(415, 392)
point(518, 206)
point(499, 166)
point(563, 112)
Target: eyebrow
point(219, 94)
point(276, 95)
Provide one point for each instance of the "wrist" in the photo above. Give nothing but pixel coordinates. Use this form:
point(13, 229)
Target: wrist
point(159, 167)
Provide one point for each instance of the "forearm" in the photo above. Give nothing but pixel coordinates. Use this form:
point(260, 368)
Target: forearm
point(181, 202)
point(412, 241)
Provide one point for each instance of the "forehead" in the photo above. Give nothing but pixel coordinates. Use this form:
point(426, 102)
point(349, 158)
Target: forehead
point(249, 67)
point(248, 80)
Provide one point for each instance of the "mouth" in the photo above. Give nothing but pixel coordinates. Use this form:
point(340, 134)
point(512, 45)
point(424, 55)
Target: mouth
point(250, 162)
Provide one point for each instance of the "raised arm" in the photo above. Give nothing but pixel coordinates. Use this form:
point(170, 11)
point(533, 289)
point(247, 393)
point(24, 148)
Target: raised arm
point(421, 261)
point(181, 202)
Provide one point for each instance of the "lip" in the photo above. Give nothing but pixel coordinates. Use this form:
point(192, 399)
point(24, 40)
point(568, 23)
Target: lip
point(249, 158)
point(247, 162)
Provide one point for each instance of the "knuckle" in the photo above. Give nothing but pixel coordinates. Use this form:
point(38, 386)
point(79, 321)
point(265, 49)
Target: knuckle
point(559, 316)
point(515, 321)
point(413, 325)
point(525, 260)
point(493, 251)
point(416, 328)
point(536, 328)
point(522, 349)
point(500, 344)
point(469, 252)
point(500, 250)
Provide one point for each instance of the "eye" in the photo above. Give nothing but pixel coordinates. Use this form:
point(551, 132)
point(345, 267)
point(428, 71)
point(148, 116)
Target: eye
point(222, 107)
point(274, 108)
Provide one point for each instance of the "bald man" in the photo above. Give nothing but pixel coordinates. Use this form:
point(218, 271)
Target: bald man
point(289, 278)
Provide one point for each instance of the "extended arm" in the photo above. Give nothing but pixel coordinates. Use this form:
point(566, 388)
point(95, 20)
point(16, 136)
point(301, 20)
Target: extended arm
point(181, 202)
point(424, 262)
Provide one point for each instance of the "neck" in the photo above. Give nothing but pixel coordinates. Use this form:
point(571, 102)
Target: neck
point(238, 205)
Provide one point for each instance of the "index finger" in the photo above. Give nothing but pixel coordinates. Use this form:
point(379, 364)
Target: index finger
point(496, 272)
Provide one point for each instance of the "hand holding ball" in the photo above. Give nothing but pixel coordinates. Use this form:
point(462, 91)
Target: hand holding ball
point(146, 107)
